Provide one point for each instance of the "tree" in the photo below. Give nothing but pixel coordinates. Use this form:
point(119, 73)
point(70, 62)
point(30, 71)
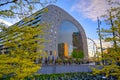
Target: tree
point(77, 54)
point(112, 34)
point(24, 47)
point(112, 18)
point(21, 8)
point(24, 44)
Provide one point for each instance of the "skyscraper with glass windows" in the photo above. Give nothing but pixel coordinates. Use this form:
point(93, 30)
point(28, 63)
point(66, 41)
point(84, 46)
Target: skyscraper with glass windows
point(77, 41)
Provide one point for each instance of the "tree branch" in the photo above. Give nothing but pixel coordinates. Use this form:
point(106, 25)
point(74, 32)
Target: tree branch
point(8, 2)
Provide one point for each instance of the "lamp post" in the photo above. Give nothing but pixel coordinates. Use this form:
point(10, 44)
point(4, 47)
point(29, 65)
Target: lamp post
point(100, 38)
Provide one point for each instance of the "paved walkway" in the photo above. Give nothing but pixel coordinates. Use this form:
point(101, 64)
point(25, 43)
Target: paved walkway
point(50, 69)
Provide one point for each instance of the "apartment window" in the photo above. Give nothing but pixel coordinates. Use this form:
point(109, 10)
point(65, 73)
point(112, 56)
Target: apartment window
point(35, 23)
point(37, 16)
point(60, 13)
point(50, 52)
point(21, 23)
point(52, 26)
point(50, 35)
point(51, 30)
point(55, 10)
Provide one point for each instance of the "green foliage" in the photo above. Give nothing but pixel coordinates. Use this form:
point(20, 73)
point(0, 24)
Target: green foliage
point(66, 76)
point(17, 67)
point(21, 8)
point(69, 76)
point(111, 59)
point(24, 45)
point(77, 54)
point(112, 19)
point(110, 66)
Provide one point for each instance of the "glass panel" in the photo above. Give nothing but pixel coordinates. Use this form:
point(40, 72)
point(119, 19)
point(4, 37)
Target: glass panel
point(69, 37)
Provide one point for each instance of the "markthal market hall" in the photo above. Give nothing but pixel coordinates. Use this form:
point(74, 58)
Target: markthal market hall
point(65, 33)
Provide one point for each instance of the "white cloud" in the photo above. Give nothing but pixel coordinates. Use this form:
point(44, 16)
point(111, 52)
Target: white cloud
point(91, 8)
point(104, 44)
point(5, 22)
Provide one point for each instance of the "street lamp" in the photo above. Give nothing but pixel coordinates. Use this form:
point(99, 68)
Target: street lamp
point(100, 37)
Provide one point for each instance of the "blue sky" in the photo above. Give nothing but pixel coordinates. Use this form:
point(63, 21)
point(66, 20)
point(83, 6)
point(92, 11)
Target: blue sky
point(84, 11)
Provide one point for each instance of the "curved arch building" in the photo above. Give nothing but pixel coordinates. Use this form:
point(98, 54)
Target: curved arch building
point(65, 33)
point(56, 17)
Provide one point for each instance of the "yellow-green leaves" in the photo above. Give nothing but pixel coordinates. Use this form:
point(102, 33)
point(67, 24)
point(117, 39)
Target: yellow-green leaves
point(22, 43)
point(111, 34)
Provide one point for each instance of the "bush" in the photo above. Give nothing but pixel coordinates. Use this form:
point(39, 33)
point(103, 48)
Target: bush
point(67, 76)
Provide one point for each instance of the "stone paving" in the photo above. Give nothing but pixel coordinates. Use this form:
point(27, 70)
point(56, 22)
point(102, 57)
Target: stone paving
point(50, 69)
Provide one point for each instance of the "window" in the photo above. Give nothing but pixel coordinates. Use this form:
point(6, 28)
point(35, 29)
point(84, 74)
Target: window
point(55, 10)
point(51, 30)
point(21, 23)
point(60, 13)
point(55, 32)
point(52, 26)
point(50, 52)
point(65, 34)
point(36, 17)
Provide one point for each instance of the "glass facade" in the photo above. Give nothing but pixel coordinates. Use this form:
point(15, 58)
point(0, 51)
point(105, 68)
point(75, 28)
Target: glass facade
point(66, 33)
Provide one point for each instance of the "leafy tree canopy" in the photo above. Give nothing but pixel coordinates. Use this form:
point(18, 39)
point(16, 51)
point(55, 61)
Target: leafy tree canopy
point(23, 44)
point(112, 34)
point(77, 54)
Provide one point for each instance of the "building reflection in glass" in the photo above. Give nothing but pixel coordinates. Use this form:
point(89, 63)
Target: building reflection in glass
point(68, 37)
